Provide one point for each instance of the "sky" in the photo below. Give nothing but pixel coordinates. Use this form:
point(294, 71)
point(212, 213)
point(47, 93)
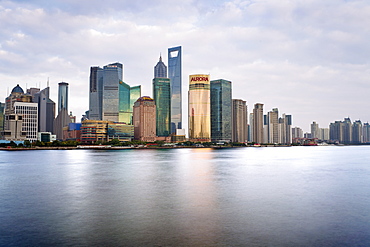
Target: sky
point(310, 58)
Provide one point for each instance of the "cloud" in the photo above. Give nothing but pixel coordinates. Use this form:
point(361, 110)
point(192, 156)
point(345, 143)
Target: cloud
point(308, 58)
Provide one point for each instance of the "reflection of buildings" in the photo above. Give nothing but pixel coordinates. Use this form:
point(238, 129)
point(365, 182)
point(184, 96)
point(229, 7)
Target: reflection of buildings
point(240, 121)
point(221, 108)
point(162, 98)
point(175, 75)
point(199, 108)
point(145, 119)
point(111, 99)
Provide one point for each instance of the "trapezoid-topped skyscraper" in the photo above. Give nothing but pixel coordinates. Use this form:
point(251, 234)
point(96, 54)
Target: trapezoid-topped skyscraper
point(175, 75)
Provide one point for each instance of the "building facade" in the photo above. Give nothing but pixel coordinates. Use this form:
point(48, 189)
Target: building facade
point(145, 119)
point(199, 108)
point(162, 99)
point(239, 121)
point(175, 75)
point(258, 123)
point(221, 110)
point(29, 113)
point(46, 108)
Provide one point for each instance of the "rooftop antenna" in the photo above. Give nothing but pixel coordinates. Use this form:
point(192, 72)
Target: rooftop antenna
point(48, 82)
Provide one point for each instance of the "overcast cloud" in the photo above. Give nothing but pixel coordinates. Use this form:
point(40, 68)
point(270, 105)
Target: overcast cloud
point(308, 58)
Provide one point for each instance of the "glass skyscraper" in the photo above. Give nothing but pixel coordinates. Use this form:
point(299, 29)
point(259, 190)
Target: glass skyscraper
point(199, 108)
point(162, 98)
point(175, 75)
point(221, 110)
point(63, 96)
point(112, 77)
point(96, 93)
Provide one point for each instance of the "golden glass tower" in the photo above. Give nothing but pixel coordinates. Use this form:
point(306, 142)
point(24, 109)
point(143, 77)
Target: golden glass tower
point(199, 108)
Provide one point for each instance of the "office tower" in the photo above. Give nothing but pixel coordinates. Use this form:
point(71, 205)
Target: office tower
point(113, 86)
point(96, 93)
point(29, 113)
point(347, 131)
point(273, 126)
point(239, 121)
point(199, 108)
point(46, 108)
point(357, 132)
point(144, 119)
point(2, 107)
point(221, 110)
point(63, 96)
point(324, 134)
point(315, 130)
point(62, 120)
point(258, 123)
point(160, 70)
point(175, 75)
point(162, 98)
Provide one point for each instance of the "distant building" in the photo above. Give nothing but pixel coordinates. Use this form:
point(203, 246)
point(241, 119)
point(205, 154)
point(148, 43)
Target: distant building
point(239, 120)
point(29, 111)
point(199, 108)
point(72, 132)
point(120, 131)
point(357, 136)
point(94, 131)
point(221, 110)
point(2, 108)
point(366, 133)
point(273, 126)
point(315, 130)
point(175, 75)
point(13, 130)
point(145, 119)
point(297, 132)
point(63, 119)
point(160, 69)
point(258, 123)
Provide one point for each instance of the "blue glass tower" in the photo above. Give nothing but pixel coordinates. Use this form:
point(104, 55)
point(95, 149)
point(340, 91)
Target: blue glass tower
point(221, 110)
point(63, 96)
point(175, 75)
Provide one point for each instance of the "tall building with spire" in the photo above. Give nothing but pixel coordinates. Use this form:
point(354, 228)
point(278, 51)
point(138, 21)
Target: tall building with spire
point(175, 75)
point(162, 99)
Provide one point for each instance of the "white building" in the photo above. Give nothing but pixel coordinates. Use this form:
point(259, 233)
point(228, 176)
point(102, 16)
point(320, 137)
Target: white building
point(29, 113)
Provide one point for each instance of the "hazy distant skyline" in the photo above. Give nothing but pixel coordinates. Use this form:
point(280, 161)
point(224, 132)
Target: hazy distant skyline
point(307, 58)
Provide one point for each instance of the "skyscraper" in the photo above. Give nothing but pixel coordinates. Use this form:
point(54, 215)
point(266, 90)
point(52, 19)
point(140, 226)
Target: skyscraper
point(273, 126)
point(29, 112)
point(144, 119)
point(160, 70)
point(112, 79)
point(62, 118)
point(46, 108)
point(258, 123)
point(63, 96)
point(240, 121)
point(175, 75)
point(199, 108)
point(315, 130)
point(221, 110)
point(96, 93)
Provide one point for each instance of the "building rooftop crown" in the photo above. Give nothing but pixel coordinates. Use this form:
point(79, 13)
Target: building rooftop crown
point(17, 89)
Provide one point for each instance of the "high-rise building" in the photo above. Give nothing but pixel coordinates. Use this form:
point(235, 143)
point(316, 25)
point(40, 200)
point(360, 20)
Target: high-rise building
point(62, 120)
point(46, 108)
point(366, 132)
point(239, 121)
point(96, 93)
point(199, 108)
point(250, 127)
point(315, 130)
point(258, 123)
point(297, 133)
point(273, 126)
point(162, 98)
point(111, 99)
point(221, 110)
point(2, 107)
point(357, 132)
point(144, 119)
point(175, 75)
point(160, 70)
point(63, 96)
point(112, 86)
point(29, 113)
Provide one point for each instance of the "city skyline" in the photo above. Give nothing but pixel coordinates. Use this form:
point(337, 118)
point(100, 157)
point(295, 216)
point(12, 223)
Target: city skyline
point(306, 59)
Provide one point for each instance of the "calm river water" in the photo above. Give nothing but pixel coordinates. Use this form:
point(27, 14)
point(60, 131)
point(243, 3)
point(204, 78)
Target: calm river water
point(283, 196)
